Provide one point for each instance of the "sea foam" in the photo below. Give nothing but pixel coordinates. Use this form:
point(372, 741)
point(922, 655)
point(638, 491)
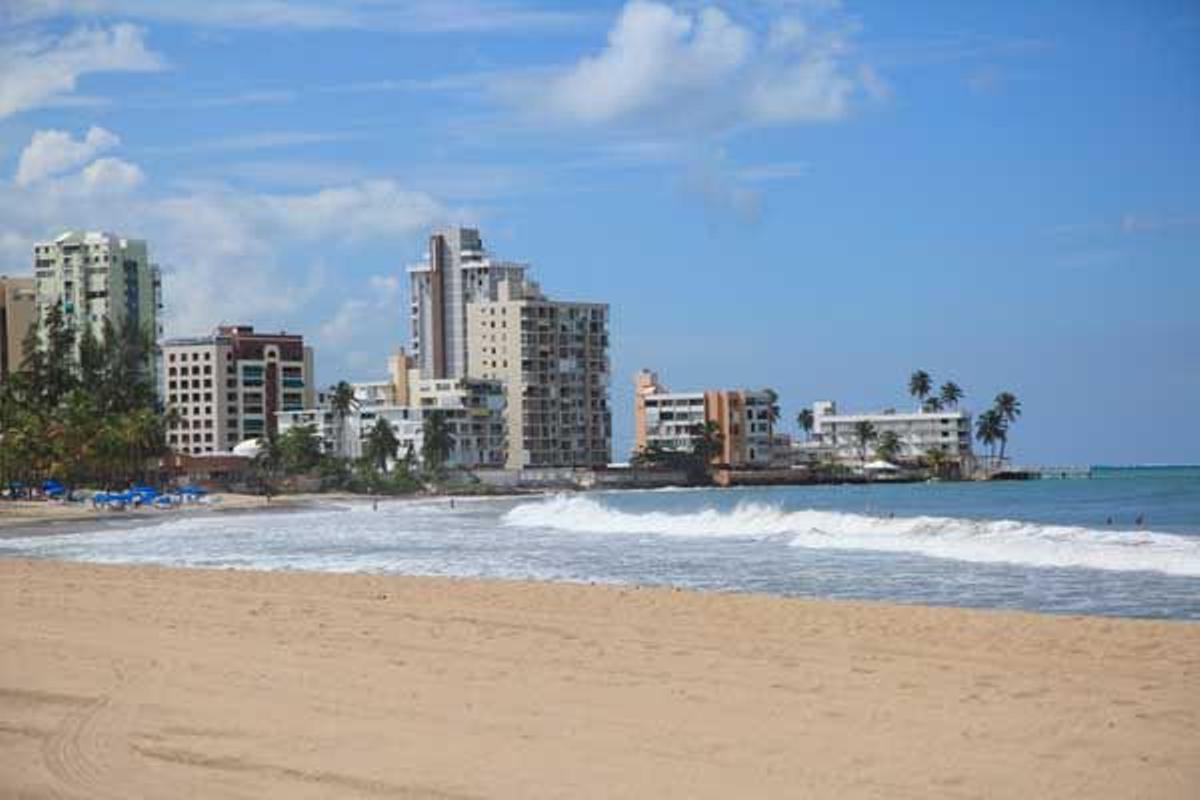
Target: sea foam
point(981, 541)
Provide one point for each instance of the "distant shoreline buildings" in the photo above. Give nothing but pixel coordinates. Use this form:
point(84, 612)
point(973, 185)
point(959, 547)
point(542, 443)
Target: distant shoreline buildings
point(519, 379)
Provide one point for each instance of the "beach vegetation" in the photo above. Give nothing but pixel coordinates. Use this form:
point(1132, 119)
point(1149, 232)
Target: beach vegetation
point(864, 436)
point(382, 445)
point(806, 420)
point(887, 446)
point(920, 385)
point(86, 415)
point(950, 394)
point(437, 441)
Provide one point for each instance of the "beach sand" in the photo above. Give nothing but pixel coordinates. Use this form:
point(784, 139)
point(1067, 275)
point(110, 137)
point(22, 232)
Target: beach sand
point(144, 682)
point(26, 517)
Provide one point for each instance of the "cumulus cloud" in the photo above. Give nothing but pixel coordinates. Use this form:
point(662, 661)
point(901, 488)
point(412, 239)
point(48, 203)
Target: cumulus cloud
point(51, 152)
point(235, 256)
point(111, 176)
point(37, 70)
point(675, 68)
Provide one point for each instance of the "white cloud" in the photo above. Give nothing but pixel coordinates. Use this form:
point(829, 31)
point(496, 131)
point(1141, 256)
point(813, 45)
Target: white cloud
point(51, 152)
point(231, 256)
point(672, 68)
point(112, 176)
point(776, 171)
point(39, 70)
point(430, 16)
point(1155, 223)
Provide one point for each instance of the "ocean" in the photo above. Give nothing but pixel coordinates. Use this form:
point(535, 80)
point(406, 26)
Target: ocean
point(1058, 546)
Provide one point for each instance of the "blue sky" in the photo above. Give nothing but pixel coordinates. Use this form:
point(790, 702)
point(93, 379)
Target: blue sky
point(815, 196)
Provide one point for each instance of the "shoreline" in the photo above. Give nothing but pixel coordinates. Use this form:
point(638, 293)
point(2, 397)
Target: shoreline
point(240, 683)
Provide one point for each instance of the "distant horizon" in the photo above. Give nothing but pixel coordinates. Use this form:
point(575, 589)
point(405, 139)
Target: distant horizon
point(819, 198)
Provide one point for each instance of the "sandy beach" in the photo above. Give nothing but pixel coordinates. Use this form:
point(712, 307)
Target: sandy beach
point(146, 682)
point(29, 517)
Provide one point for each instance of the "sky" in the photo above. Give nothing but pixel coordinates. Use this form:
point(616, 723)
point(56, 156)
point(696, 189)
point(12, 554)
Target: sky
point(810, 195)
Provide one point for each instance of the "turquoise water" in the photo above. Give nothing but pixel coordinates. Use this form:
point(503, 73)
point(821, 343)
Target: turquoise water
point(1041, 545)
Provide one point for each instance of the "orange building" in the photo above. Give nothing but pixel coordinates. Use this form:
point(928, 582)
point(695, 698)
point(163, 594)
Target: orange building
point(670, 420)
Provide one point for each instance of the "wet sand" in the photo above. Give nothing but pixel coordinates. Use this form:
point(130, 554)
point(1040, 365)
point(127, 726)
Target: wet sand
point(147, 682)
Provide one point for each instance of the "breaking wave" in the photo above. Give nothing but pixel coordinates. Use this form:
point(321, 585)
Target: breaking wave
point(981, 541)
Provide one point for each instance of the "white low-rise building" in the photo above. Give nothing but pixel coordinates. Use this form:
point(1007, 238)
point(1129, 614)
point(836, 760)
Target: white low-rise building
point(472, 409)
point(918, 433)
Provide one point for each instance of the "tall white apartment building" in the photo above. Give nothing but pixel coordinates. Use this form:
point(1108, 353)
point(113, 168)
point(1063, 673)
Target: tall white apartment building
point(457, 271)
point(918, 433)
point(552, 357)
point(93, 277)
point(228, 387)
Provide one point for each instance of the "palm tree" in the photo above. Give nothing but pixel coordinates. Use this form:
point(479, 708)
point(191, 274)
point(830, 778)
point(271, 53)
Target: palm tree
point(937, 460)
point(707, 442)
point(382, 444)
point(920, 385)
point(342, 402)
point(437, 442)
point(806, 421)
point(932, 405)
point(1009, 408)
point(772, 412)
point(864, 434)
point(951, 393)
point(267, 462)
point(888, 446)
point(989, 429)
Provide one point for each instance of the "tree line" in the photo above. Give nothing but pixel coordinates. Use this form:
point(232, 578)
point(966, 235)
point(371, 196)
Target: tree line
point(86, 414)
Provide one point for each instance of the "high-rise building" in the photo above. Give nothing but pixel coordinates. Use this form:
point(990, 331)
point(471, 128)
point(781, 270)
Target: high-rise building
point(457, 271)
point(18, 312)
point(227, 387)
point(93, 277)
point(552, 358)
point(670, 420)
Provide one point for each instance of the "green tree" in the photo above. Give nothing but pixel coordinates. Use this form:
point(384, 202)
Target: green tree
point(773, 412)
point(937, 461)
point(1009, 408)
point(932, 405)
point(989, 429)
point(806, 421)
point(299, 449)
point(707, 443)
point(267, 463)
point(437, 442)
point(382, 444)
point(864, 435)
point(888, 446)
point(920, 385)
point(342, 402)
point(950, 394)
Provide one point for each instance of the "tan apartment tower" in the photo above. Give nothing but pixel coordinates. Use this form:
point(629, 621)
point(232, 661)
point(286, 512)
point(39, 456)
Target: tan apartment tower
point(457, 271)
point(552, 357)
point(18, 313)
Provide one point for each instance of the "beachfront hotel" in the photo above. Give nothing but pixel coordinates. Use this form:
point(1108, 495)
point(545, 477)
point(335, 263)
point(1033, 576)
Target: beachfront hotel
point(670, 419)
point(228, 387)
point(96, 276)
point(18, 313)
point(473, 411)
point(478, 318)
point(835, 435)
